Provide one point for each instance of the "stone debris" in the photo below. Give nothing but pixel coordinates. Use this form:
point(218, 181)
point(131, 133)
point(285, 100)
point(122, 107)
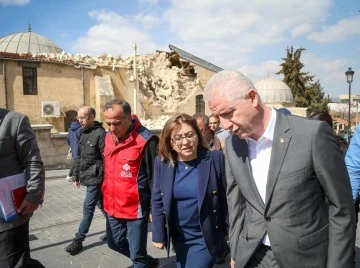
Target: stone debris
point(156, 123)
point(165, 81)
point(162, 82)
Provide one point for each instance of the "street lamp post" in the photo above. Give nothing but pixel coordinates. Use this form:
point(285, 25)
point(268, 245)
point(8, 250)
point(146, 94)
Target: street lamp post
point(349, 78)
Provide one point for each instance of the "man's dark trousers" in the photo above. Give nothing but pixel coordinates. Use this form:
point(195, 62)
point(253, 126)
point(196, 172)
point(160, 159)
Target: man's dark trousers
point(93, 198)
point(121, 231)
point(15, 249)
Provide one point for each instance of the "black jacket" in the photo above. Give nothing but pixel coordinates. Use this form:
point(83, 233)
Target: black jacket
point(89, 165)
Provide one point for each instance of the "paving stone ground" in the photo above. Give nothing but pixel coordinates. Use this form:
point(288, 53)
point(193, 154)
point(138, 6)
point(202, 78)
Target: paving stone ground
point(53, 226)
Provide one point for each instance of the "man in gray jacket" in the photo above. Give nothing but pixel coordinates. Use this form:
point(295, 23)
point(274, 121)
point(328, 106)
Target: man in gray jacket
point(288, 190)
point(19, 154)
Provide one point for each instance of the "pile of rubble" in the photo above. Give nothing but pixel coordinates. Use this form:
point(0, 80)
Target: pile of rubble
point(162, 82)
point(156, 123)
point(163, 79)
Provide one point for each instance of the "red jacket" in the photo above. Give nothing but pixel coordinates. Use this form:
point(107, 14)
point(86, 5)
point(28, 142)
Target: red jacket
point(126, 188)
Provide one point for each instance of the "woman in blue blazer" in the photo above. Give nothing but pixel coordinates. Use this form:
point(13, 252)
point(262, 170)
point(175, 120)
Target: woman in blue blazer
point(188, 198)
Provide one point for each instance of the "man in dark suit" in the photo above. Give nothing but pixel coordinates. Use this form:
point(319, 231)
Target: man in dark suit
point(288, 189)
point(209, 136)
point(19, 157)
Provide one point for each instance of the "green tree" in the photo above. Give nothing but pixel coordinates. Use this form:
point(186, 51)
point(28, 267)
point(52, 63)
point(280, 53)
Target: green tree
point(306, 92)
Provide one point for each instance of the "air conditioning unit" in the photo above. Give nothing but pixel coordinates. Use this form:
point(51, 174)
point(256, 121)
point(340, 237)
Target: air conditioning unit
point(50, 109)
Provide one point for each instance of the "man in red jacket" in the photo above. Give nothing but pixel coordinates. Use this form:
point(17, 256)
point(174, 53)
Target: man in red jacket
point(129, 153)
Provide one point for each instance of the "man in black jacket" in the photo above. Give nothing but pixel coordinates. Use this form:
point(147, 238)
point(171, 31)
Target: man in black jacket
point(88, 170)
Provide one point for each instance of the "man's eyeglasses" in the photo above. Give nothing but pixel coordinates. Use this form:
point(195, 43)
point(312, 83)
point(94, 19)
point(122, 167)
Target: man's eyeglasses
point(80, 118)
point(189, 136)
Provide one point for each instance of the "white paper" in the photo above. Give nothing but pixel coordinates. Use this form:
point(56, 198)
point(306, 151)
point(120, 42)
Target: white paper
point(7, 184)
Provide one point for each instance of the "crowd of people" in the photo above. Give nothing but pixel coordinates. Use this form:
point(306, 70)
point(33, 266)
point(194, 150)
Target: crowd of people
point(276, 187)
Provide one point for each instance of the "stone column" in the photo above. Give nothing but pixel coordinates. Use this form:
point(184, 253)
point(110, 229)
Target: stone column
point(103, 93)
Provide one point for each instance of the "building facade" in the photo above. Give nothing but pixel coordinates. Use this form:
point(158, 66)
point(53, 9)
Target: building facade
point(49, 85)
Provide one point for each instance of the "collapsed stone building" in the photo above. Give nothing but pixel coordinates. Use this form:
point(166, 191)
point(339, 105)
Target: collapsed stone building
point(49, 85)
point(41, 80)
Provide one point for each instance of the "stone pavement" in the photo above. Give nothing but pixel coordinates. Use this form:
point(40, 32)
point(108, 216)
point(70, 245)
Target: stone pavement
point(54, 224)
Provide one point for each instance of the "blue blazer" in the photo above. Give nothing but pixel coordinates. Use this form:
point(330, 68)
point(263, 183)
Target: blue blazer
point(211, 199)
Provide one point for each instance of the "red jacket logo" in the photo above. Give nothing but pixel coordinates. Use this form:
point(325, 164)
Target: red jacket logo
point(125, 172)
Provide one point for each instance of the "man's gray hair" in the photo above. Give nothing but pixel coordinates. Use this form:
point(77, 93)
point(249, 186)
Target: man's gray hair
point(233, 85)
point(91, 111)
point(204, 117)
point(122, 103)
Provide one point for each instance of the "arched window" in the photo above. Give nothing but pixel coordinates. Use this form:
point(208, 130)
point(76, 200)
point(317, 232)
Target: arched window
point(70, 115)
point(200, 104)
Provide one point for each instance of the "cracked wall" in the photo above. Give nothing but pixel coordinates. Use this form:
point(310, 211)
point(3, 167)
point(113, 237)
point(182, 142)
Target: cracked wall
point(164, 82)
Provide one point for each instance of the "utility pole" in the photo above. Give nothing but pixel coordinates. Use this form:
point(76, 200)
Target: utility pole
point(135, 80)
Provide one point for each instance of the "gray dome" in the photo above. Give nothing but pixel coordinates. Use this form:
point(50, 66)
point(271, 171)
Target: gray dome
point(272, 90)
point(26, 42)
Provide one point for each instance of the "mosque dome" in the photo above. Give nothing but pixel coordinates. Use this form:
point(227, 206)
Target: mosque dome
point(28, 42)
point(272, 90)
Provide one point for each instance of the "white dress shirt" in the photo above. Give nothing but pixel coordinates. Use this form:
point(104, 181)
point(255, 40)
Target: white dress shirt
point(260, 155)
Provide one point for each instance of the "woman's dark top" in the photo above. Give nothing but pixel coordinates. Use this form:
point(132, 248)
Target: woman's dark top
point(185, 206)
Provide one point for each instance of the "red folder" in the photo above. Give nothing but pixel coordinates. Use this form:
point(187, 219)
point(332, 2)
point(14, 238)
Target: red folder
point(18, 196)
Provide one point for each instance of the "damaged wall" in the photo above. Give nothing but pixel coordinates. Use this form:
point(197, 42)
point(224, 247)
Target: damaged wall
point(163, 83)
point(166, 84)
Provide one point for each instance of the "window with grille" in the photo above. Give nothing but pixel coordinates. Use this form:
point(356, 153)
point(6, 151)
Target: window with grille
point(29, 81)
point(200, 104)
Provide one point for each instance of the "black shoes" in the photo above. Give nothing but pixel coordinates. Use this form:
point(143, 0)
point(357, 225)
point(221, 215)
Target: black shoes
point(103, 237)
point(154, 263)
point(221, 257)
point(75, 247)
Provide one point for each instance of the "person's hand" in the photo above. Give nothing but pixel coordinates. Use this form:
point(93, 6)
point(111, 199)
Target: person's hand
point(77, 184)
point(232, 263)
point(159, 245)
point(150, 217)
point(27, 208)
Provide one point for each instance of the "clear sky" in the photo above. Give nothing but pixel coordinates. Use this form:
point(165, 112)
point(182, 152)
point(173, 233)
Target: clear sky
point(250, 36)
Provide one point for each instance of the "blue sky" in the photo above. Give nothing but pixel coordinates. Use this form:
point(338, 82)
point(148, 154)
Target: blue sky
point(250, 36)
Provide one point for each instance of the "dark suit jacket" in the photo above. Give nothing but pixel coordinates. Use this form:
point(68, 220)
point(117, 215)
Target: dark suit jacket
point(211, 200)
point(19, 152)
point(306, 165)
